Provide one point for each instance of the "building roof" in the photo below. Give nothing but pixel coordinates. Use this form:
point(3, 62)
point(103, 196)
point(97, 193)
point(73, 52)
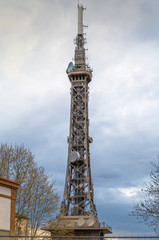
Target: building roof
point(8, 183)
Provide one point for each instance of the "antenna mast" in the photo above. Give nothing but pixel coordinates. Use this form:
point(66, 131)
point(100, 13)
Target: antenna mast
point(80, 20)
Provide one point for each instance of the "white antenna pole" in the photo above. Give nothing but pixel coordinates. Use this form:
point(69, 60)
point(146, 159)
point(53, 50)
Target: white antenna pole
point(80, 19)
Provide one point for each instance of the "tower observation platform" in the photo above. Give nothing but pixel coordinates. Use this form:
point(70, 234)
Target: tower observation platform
point(78, 211)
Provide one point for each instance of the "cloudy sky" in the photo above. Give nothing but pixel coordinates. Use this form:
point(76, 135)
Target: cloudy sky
point(36, 45)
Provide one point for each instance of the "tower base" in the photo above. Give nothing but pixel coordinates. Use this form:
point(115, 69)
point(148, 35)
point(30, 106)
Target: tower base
point(76, 226)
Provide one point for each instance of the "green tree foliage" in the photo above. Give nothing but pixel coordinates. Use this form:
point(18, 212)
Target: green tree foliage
point(148, 210)
point(37, 199)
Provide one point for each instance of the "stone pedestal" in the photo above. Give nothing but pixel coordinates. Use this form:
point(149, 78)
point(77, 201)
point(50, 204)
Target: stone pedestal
point(79, 226)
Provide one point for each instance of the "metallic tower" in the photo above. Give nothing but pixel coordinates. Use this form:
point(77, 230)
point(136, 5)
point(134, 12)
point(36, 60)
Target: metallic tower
point(78, 192)
point(78, 208)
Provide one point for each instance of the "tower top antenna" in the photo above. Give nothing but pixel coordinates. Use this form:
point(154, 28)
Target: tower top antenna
point(80, 19)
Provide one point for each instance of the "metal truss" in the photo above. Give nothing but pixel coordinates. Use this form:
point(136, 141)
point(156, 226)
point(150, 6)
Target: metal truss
point(78, 192)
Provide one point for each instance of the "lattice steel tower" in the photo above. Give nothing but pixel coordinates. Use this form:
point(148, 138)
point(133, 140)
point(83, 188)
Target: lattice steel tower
point(77, 207)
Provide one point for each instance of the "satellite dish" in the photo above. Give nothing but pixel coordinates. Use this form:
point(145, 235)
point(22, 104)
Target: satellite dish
point(73, 156)
point(70, 67)
point(81, 185)
point(91, 222)
point(80, 222)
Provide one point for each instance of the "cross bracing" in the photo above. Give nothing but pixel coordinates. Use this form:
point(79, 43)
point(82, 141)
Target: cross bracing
point(78, 194)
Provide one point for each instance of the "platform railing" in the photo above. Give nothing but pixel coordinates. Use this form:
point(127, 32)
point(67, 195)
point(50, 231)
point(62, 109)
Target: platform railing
point(15, 237)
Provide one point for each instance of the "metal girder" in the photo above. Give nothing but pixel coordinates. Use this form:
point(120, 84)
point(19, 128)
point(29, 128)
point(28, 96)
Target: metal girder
point(78, 192)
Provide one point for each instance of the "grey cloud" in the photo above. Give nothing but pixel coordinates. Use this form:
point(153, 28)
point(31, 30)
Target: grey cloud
point(117, 216)
point(123, 107)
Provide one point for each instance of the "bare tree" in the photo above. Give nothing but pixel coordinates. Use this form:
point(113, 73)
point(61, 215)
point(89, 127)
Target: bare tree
point(37, 199)
point(148, 210)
